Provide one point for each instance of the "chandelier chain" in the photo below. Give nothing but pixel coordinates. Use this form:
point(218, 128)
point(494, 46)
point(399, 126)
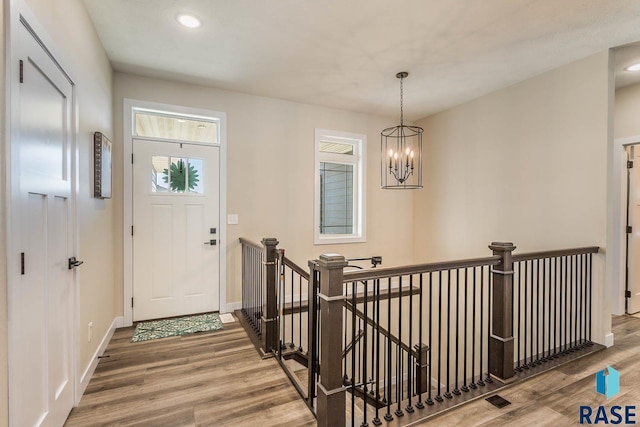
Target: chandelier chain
point(401, 103)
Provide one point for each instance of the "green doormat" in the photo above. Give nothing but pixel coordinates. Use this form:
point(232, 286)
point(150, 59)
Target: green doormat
point(173, 327)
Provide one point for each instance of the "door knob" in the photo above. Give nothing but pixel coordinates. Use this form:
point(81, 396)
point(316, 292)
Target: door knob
point(211, 242)
point(73, 263)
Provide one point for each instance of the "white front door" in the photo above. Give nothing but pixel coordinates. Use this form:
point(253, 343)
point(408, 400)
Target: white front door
point(176, 257)
point(633, 238)
point(41, 291)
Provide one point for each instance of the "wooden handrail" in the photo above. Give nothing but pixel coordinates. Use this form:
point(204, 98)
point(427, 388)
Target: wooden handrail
point(295, 267)
point(254, 245)
point(555, 253)
point(349, 306)
point(380, 273)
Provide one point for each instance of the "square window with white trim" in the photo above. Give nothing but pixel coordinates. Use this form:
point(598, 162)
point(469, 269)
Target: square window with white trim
point(339, 187)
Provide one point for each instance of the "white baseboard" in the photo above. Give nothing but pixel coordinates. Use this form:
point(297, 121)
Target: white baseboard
point(232, 306)
point(608, 340)
point(90, 369)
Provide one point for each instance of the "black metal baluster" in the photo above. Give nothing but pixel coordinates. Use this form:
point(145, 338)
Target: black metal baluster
point(364, 355)
point(565, 333)
point(388, 416)
point(400, 372)
point(291, 344)
point(534, 310)
point(344, 358)
point(376, 421)
point(429, 399)
point(256, 291)
point(354, 291)
point(519, 305)
point(384, 373)
point(579, 301)
point(532, 286)
point(525, 365)
point(466, 297)
point(571, 301)
point(586, 301)
point(257, 282)
point(439, 396)
point(410, 365)
point(556, 321)
point(419, 371)
point(589, 278)
point(473, 334)
point(371, 373)
point(549, 319)
point(300, 348)
point(456, 390)
point(544, 298)
point(536, 337)
point(583, 291)
point(480, 381)
point(448, 394)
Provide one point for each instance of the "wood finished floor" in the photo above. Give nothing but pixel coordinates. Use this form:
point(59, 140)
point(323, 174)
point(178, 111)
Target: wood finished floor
point(204, 379)
point(554, 398)
point(217, 379)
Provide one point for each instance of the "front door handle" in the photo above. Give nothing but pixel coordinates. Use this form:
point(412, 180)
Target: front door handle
point(211, 242)
point(73, 263)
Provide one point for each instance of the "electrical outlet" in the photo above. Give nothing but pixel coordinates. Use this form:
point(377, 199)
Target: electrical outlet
point(90, 332)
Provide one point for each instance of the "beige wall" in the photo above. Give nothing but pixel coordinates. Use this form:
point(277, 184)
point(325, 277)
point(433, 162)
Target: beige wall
point(270, 172)
point(78, 47)
point(526, 164)
point(627, 111)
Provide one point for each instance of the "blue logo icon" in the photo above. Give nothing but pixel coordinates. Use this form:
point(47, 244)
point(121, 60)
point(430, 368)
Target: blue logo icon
point(608, 382)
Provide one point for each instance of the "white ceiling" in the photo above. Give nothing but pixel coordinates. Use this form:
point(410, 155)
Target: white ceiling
point(345, 53)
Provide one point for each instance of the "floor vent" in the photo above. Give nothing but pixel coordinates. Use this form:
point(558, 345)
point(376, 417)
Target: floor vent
point(497, 401)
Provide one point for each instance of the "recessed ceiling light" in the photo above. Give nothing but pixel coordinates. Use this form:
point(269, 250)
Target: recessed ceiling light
point(634, 67)
point(189, 21)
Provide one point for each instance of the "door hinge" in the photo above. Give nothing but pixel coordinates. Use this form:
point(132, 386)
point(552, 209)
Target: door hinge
point(627, 294)
point(629, 229)
point(629, 164)
point(131, 302)
point(21, 71)
point(22, 263)
point(132, 230)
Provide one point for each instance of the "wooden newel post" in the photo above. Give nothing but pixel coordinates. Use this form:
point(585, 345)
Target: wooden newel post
point(422, 367)
point(331, 393)
point(269, 320)
point(501, 334)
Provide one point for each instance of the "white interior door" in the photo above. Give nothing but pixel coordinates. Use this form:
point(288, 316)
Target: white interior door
point(41, 291)
point(176, 259)
point(633, 240)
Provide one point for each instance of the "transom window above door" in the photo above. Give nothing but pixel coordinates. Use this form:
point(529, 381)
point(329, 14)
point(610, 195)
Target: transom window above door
point(151, 124)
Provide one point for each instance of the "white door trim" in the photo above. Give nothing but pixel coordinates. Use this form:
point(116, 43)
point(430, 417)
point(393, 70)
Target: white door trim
point(127, 130)
point(18, 12)
point(617, 233)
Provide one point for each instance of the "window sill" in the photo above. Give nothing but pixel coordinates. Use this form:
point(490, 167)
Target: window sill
point(338, 239)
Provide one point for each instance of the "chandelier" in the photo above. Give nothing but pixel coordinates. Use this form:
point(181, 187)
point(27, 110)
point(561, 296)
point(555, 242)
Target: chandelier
point(401, 152)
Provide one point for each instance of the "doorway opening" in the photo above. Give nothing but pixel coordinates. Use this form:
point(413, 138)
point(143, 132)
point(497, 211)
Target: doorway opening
point(632, 229)
point(175, 207)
